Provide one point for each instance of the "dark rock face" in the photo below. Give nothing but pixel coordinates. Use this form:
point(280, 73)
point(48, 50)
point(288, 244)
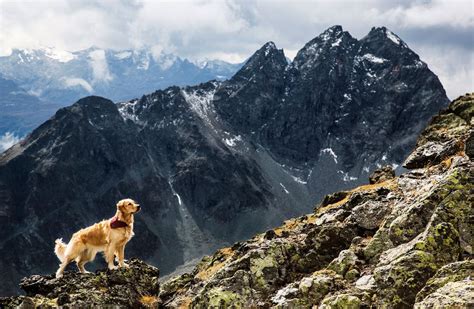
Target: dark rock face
point(405, 242)
point(136, 286)
point(469, 148)
point(382, 174)
point(216, 163)
point(339, 93)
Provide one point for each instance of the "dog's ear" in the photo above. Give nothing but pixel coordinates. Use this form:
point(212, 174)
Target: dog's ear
point(120, 205)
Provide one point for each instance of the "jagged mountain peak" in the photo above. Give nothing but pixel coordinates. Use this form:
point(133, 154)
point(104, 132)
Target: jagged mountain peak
point(269, 46)
point(384, 44)
point(384, 34)
point(332, 31)
point(331, 40)
point(267, 60)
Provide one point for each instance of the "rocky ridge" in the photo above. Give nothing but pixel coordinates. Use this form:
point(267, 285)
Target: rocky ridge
point(135, 286)
point(399, 242)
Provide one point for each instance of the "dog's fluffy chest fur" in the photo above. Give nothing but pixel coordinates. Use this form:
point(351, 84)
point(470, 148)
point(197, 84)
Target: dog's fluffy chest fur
point(121, 235)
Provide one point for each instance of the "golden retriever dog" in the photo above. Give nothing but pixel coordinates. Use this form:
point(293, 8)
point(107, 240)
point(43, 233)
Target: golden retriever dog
point(108, 236)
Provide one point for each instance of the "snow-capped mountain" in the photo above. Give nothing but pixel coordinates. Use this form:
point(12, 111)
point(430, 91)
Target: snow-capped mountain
point(61, 78)
point(216, 162)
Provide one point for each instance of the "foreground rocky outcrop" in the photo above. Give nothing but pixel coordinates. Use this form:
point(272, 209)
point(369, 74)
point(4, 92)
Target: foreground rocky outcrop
point(399, 242)
point(136, 286)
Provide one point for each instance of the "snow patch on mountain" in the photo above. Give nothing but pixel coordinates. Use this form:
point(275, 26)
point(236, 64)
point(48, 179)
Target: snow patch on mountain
point(284, 188)
point(337, 43)
point(395, 39)
point(346, 177)
point(373, 58)
point(331, 152)
point(123, 55)
point(232, 141)
point(299, 180)
point(200, 102)
point(128, 111)
point(59, 55)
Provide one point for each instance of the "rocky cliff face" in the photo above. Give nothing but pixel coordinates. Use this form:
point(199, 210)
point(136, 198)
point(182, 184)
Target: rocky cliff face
point(399, 242)
point(216, 163)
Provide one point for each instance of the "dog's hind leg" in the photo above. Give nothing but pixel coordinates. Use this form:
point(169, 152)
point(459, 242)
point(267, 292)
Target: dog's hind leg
point(86, 256)
point(80, 266)
point(62, 266)
point(73, 250)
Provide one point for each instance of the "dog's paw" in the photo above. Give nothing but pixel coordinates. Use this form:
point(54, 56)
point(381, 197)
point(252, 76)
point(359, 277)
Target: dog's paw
point(59, 275)
point(112, 267)
point(125, 265)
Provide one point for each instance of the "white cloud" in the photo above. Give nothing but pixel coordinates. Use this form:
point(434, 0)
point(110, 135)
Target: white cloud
point(432, 13)
point(74, 81)
point(100, 68)
point(232, 30)
point(457, 80)
point(7, 140)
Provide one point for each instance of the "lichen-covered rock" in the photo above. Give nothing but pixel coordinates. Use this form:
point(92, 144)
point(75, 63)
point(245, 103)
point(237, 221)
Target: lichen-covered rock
point(371, 214)
point(454, 272)
point(382, 174)
point(342, 301)
point(458, 294)
point(445, 135)
point(398, 242)
point(135, 286)
point(346, 261)
point(308, 291)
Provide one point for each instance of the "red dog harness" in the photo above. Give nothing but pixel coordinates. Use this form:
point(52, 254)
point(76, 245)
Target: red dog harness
point(115, 223)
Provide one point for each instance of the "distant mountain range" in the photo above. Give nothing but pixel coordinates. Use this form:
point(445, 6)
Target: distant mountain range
point(35, 83)
point(220, 161)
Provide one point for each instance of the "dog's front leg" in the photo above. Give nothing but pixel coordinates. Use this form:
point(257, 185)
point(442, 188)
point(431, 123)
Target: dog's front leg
point(109, 256)
point(121, 256)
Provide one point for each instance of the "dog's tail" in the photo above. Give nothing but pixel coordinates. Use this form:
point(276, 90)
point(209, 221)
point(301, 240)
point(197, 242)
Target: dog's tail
point(60, 248)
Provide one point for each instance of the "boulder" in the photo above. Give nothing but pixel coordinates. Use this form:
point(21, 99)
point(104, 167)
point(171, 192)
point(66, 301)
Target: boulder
point(135, 286)
point(383, 174)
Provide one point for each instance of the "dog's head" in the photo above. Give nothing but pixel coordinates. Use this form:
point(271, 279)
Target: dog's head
point(128, 206)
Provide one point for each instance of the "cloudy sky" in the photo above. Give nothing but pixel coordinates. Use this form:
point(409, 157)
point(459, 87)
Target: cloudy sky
point(440, 31)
